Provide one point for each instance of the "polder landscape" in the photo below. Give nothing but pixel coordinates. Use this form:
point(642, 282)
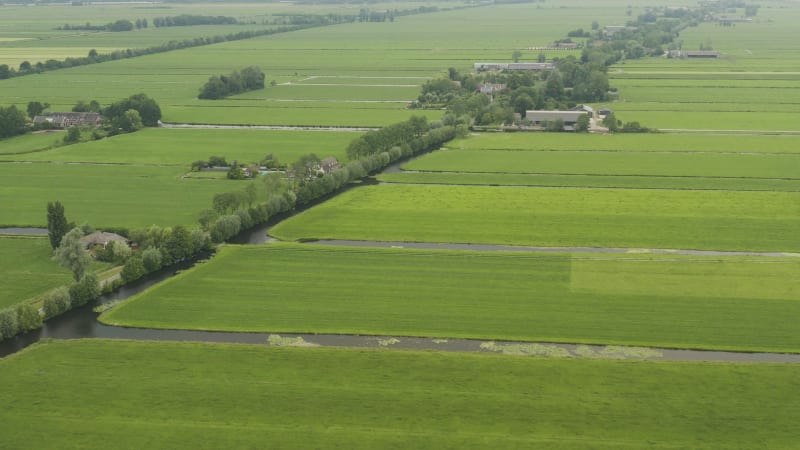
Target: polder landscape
point(341, 224)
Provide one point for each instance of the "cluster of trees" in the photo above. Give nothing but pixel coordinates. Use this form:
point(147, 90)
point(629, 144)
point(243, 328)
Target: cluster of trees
point(186, 20)
point(131, 114)
point(12, 122)
point(220, 86)
point(387, 137)
point(161, 247)
point(117, 26)
point(28, 68)
point(19, 319)
point(570, 82)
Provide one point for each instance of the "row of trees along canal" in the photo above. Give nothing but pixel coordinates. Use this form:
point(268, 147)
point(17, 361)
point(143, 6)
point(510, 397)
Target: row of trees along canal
point(231, 213)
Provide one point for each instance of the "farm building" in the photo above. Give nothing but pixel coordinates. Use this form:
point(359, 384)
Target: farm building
point(490, 88)
point(692, 54)
point(328, 165)
point(701, 54)
point(541, 118)
point(734, 19)
point(611, 30)
point(101, 238)
point(483, 67)
point(69, 119)
point(585, 108)
point(565, 45)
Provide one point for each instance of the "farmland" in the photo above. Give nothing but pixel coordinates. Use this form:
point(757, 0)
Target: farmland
point(638, 299)
point(593, 181)
point(575, 234)
point(724, 143)
point(141, 196)
point(591, 162)
point(180, 147)
point(190, 396)
point(718, 220)
point(26, 264)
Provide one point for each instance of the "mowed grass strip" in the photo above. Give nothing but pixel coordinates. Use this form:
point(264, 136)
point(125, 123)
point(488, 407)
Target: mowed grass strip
point(136, 395)
point(27, 269)
point(665, 301)
point(105, 195)
point(592, 181)
point(561, 217)
point(657, 142)
point(611, 163)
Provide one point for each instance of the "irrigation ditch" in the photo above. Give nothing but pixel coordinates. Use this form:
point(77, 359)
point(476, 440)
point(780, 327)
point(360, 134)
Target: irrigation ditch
point(82, 323)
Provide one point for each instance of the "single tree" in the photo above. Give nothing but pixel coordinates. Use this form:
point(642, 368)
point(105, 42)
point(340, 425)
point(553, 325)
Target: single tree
point(516, 55)
point(582, 125)
point(610, 122)
point(36, 108)
point(72, 255)
point(73, 135)
point(57, 225)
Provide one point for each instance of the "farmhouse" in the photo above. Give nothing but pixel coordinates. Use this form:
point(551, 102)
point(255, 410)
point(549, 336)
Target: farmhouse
point(541, 118)
point(585, 108)
point(328, 165)
point(69, 119)
point(611, 30)
point(101, 238)
point(490, 88)
point(485, 66)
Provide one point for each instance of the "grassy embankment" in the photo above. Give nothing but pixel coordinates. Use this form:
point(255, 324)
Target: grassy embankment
point(738, 303)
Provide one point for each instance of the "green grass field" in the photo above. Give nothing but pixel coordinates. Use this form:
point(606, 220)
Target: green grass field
point(180, 147)
point(590, 162)
point(28, 143)
point(592, 181)
point(28, 270)
point(105, 195)
point(629, 142)
point(136, 395)
point(647, 300)
point(761, 221)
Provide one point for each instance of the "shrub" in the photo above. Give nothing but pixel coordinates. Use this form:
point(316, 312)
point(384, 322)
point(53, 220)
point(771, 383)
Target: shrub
point(151, 260)
point(134, 268)
point(56, 302)
point(85, 290)
point(8, 323)
point(28, 317)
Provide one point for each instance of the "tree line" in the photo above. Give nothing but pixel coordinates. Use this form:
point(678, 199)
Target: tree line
point(28, 68)
point(115, 27)
point(187, 20)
